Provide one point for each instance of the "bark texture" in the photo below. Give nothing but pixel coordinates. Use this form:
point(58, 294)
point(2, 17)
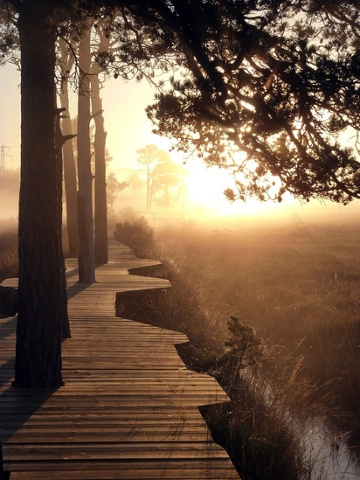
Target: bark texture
point(100, 217)
point(65, 326)
point(68, 159)
point(85, 205)
point(42, 292)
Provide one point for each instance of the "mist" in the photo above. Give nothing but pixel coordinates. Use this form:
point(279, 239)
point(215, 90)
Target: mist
point(9, 194)
point(241, 214)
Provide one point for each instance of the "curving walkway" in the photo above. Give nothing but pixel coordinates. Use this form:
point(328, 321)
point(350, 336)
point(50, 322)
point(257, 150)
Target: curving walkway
point(129, 407)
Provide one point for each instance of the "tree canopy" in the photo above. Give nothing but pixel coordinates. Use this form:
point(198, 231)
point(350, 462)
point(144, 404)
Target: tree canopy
point(164, 178)
point(271, 91)
point(268, 89)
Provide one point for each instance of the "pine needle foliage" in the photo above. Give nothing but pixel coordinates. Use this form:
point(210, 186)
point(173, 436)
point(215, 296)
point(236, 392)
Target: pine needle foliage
point(243, 343)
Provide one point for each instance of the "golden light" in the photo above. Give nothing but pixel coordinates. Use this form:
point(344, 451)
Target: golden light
point(206, 185)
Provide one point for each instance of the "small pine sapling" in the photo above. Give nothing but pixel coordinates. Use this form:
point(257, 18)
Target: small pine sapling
point(243, 346)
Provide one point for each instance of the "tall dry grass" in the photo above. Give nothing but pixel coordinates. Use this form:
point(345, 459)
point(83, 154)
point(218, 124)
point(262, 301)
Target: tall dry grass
point(9, 264)
point(297, 286)
point(9, 258)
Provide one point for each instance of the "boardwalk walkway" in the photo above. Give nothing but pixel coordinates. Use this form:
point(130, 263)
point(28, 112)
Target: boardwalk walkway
point(129, 407)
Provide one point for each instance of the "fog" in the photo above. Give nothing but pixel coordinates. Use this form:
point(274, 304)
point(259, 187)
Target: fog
point(266, 213)
point(252, 214)
point(9, 195)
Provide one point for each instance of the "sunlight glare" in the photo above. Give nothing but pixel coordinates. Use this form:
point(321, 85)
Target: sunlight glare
point(206, 187)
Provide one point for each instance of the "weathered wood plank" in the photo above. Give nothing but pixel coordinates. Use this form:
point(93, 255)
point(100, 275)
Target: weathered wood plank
point(147, 470)
point(111, 451)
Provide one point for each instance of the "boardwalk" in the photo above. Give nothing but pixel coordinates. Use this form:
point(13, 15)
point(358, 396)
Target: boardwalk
point(129, 407)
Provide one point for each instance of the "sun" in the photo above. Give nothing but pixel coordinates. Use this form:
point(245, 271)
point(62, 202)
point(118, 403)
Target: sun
point(206, 185)
point(205, 188)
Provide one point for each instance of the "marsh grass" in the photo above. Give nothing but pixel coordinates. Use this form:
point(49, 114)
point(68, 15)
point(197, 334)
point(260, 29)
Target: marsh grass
point(298, 287)
point(9, 257)
point(257, 440)
point(9, 264)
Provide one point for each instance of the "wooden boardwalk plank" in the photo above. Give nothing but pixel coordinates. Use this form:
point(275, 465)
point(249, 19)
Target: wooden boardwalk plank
point(129, 406)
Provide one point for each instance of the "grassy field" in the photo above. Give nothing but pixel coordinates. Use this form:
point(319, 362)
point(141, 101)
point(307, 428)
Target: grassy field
point(298, 286)
point(8, 254)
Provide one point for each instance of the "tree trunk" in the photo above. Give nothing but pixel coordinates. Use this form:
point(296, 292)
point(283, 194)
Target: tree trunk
point(69, 174)
point(65, 326)
point(101, 228)
point(85, 207)
point(42, 293)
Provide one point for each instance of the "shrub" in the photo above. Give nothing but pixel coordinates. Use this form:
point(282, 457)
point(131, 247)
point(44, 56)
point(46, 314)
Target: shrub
point(138, 235)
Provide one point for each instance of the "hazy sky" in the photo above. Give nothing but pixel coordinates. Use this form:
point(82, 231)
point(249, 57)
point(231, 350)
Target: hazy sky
point(128, 130)
point(125, 120)
point(10, 113)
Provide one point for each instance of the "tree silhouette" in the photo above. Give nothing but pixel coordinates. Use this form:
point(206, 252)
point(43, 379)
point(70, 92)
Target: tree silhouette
point(85, 178)
point(42, 290)
point(114, 187)
point(167, 182)
point(149, 156)
point(65, 61)
point(271, 91)
point(100, 191)
point(164, 178)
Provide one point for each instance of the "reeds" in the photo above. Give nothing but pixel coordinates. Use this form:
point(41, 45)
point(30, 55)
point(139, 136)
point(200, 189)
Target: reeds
point(297, 286)
point(9, 264)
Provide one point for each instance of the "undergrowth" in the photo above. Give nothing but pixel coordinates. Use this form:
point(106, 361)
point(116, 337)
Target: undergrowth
point(297, 286)
point(9, 257)
point(136, 232)
point(9, 264)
